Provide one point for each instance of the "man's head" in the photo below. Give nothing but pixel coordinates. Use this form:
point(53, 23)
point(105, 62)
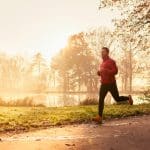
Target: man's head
point(105, 52)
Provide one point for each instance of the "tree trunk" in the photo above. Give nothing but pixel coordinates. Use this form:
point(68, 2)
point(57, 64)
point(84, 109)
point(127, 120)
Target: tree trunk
point(130, 70)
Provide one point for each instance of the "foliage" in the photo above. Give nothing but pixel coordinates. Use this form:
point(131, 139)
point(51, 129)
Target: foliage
point(75, 65)
point(132, 33)
point(18, 74)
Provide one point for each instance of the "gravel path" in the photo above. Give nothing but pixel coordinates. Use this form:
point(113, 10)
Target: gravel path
point(117, 134)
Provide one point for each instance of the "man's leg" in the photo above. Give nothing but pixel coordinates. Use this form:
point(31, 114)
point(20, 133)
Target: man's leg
point(114, 92)
point(102, 93)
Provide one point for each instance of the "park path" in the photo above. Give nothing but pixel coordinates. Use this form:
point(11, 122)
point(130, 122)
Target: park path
point(118, 134)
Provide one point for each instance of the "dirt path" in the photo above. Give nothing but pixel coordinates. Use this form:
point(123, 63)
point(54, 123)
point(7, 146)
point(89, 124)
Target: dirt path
point(130, 133)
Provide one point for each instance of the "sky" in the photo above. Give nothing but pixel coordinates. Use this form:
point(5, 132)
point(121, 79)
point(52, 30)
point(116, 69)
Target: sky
point(31, 26)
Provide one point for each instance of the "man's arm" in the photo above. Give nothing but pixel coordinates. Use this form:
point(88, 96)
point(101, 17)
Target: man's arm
point(114, 68)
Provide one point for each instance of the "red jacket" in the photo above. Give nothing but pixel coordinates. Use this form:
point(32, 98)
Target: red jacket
point(108, 70)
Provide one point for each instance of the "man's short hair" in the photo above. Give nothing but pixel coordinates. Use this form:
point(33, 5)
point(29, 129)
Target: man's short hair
point(105, 48)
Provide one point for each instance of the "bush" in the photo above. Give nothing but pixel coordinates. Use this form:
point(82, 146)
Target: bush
point(89, 101)
point(2, 102)
point(27, 102)
point(146, 96)
point(147, 93)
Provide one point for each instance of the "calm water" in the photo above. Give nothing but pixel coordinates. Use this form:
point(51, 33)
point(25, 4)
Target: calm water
point(53, 99)
point(60, 100)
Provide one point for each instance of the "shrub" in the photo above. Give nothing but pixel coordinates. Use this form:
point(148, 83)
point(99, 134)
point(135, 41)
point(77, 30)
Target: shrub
point(26, 102)
point(89, 101)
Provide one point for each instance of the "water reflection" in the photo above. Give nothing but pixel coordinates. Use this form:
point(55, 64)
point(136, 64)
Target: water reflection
point(60, 99)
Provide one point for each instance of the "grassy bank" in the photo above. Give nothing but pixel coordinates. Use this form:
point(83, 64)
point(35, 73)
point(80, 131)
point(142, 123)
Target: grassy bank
point(27, 118)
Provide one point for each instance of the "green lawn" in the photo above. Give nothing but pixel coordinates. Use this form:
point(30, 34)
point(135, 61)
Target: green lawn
point(28, 118)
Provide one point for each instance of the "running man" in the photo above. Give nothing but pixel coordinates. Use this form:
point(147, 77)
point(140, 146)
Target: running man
point(107, 72)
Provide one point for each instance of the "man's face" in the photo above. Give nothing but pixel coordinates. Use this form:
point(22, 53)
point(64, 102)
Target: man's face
point(104, 53)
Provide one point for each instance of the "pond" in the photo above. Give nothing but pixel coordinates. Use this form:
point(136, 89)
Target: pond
point(60, 99)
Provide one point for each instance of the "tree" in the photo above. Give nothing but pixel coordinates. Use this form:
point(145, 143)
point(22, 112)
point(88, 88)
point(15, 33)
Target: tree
point(132, 29)
point(39, 71)
point(13, 73)
point(18, 70)
point(75, 64)
point(38, 63)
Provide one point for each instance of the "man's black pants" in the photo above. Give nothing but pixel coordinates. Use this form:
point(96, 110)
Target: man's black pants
point(112, 88)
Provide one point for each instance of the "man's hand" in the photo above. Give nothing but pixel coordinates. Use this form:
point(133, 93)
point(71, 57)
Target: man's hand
point(98, 73)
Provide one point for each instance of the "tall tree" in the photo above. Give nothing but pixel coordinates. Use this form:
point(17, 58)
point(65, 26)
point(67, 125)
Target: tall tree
point(75, 64)
point(132, 29)
point(39, 70)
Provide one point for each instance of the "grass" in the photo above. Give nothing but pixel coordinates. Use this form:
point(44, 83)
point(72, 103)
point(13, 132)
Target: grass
point(18, 119)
